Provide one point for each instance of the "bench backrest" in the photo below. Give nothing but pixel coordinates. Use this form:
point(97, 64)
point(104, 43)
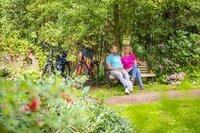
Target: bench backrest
point(143, 67)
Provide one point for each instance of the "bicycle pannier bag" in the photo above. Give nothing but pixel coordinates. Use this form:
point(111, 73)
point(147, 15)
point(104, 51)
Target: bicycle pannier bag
point(87, 53)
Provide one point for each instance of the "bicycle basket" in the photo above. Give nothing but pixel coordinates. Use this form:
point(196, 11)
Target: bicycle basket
point(87, 53)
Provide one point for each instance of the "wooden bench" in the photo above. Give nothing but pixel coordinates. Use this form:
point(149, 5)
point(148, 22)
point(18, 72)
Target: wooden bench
point(145, 73)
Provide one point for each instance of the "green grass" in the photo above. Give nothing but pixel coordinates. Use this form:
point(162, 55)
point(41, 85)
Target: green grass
point(103, 92)
point(166, 116)
point(162, 87)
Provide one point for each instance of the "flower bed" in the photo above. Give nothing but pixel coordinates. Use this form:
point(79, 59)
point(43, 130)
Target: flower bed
point(53, 106)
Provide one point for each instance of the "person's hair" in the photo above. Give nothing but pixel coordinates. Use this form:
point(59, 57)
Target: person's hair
point(112, 46)
point(124, 48)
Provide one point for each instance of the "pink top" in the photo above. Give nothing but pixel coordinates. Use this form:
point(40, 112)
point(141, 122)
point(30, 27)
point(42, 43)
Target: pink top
point(128, 61)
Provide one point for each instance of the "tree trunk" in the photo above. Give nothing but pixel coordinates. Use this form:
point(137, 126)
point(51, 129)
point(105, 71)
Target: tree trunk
point(116, 26)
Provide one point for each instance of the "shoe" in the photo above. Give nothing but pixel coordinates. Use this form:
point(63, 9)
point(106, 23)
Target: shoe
point(127, 91)
point(133, 81)
point(131, 89)
point(142, 87)
point(131, 86)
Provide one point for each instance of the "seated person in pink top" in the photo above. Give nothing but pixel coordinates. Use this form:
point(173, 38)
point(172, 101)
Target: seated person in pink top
point(130, 64)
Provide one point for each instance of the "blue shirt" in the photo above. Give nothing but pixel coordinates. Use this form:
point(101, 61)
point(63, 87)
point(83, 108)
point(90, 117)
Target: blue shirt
point(114, 60)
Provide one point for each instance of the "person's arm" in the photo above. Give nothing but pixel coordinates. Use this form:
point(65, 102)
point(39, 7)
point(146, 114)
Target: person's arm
point(122, 54)
point(110, 67)
point(135, 62)
point(108, 63)
point(135, 59)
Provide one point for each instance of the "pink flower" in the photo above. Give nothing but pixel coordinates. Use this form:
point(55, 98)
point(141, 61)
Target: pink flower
point(161, 66)
point(182, 73)
point(26, 108)
point(173, 76)
point(162, 45)
point(173, 83)
point(170, 62)
point(181, 76)
point(178, 82)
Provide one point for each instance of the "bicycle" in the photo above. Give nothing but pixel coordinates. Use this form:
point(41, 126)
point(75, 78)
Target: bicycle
point(61, 63)
point(86, 64)
point(90, 68)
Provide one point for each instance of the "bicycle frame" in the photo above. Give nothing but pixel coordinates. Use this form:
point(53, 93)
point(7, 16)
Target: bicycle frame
point(83, 65)
point(49, 66)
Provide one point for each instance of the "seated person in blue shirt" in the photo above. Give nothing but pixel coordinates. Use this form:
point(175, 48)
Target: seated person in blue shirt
point(115, 66)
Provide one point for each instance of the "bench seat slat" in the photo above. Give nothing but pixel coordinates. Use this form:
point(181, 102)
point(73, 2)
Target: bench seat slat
point(111, 77)
point(144, 69)
point(142, 66)
point(143, 75)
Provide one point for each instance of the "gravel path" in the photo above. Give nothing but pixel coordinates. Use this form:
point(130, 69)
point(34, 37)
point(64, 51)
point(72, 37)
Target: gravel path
point(146, 97)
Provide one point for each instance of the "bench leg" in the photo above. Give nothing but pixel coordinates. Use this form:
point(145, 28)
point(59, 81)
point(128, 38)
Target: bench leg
point(107, 80)
point(154, 78)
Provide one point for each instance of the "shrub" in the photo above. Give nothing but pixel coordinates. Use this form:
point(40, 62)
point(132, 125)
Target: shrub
point(53, 106)
point(180, 53)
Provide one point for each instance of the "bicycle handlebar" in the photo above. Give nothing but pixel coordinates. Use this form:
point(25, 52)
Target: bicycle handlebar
point(84, 47)
point(48, 46)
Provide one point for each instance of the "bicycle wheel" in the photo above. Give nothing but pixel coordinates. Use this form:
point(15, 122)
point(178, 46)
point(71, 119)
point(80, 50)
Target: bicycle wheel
point(47, 72)
point(94, 71)
point(66, 70)
point(77, 70)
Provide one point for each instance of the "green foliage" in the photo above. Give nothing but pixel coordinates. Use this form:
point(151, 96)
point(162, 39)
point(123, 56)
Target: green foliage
point(105, 120)
point(179, 54)
point(173, 24)
point(64, 23)
point(53, 106)
point(24, 24)
point(20, 48)
point(15, 57)
point(56, 22)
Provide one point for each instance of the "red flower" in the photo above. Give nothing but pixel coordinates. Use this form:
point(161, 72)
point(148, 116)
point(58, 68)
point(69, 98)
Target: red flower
point(69, 100)
point(66, 97)
point(34, 105)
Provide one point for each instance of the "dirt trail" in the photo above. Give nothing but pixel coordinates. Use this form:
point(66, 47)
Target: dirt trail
point(146, 97)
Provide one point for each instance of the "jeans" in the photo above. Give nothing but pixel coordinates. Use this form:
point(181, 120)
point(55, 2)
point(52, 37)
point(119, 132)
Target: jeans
point(135, 72)
point(123, 76)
